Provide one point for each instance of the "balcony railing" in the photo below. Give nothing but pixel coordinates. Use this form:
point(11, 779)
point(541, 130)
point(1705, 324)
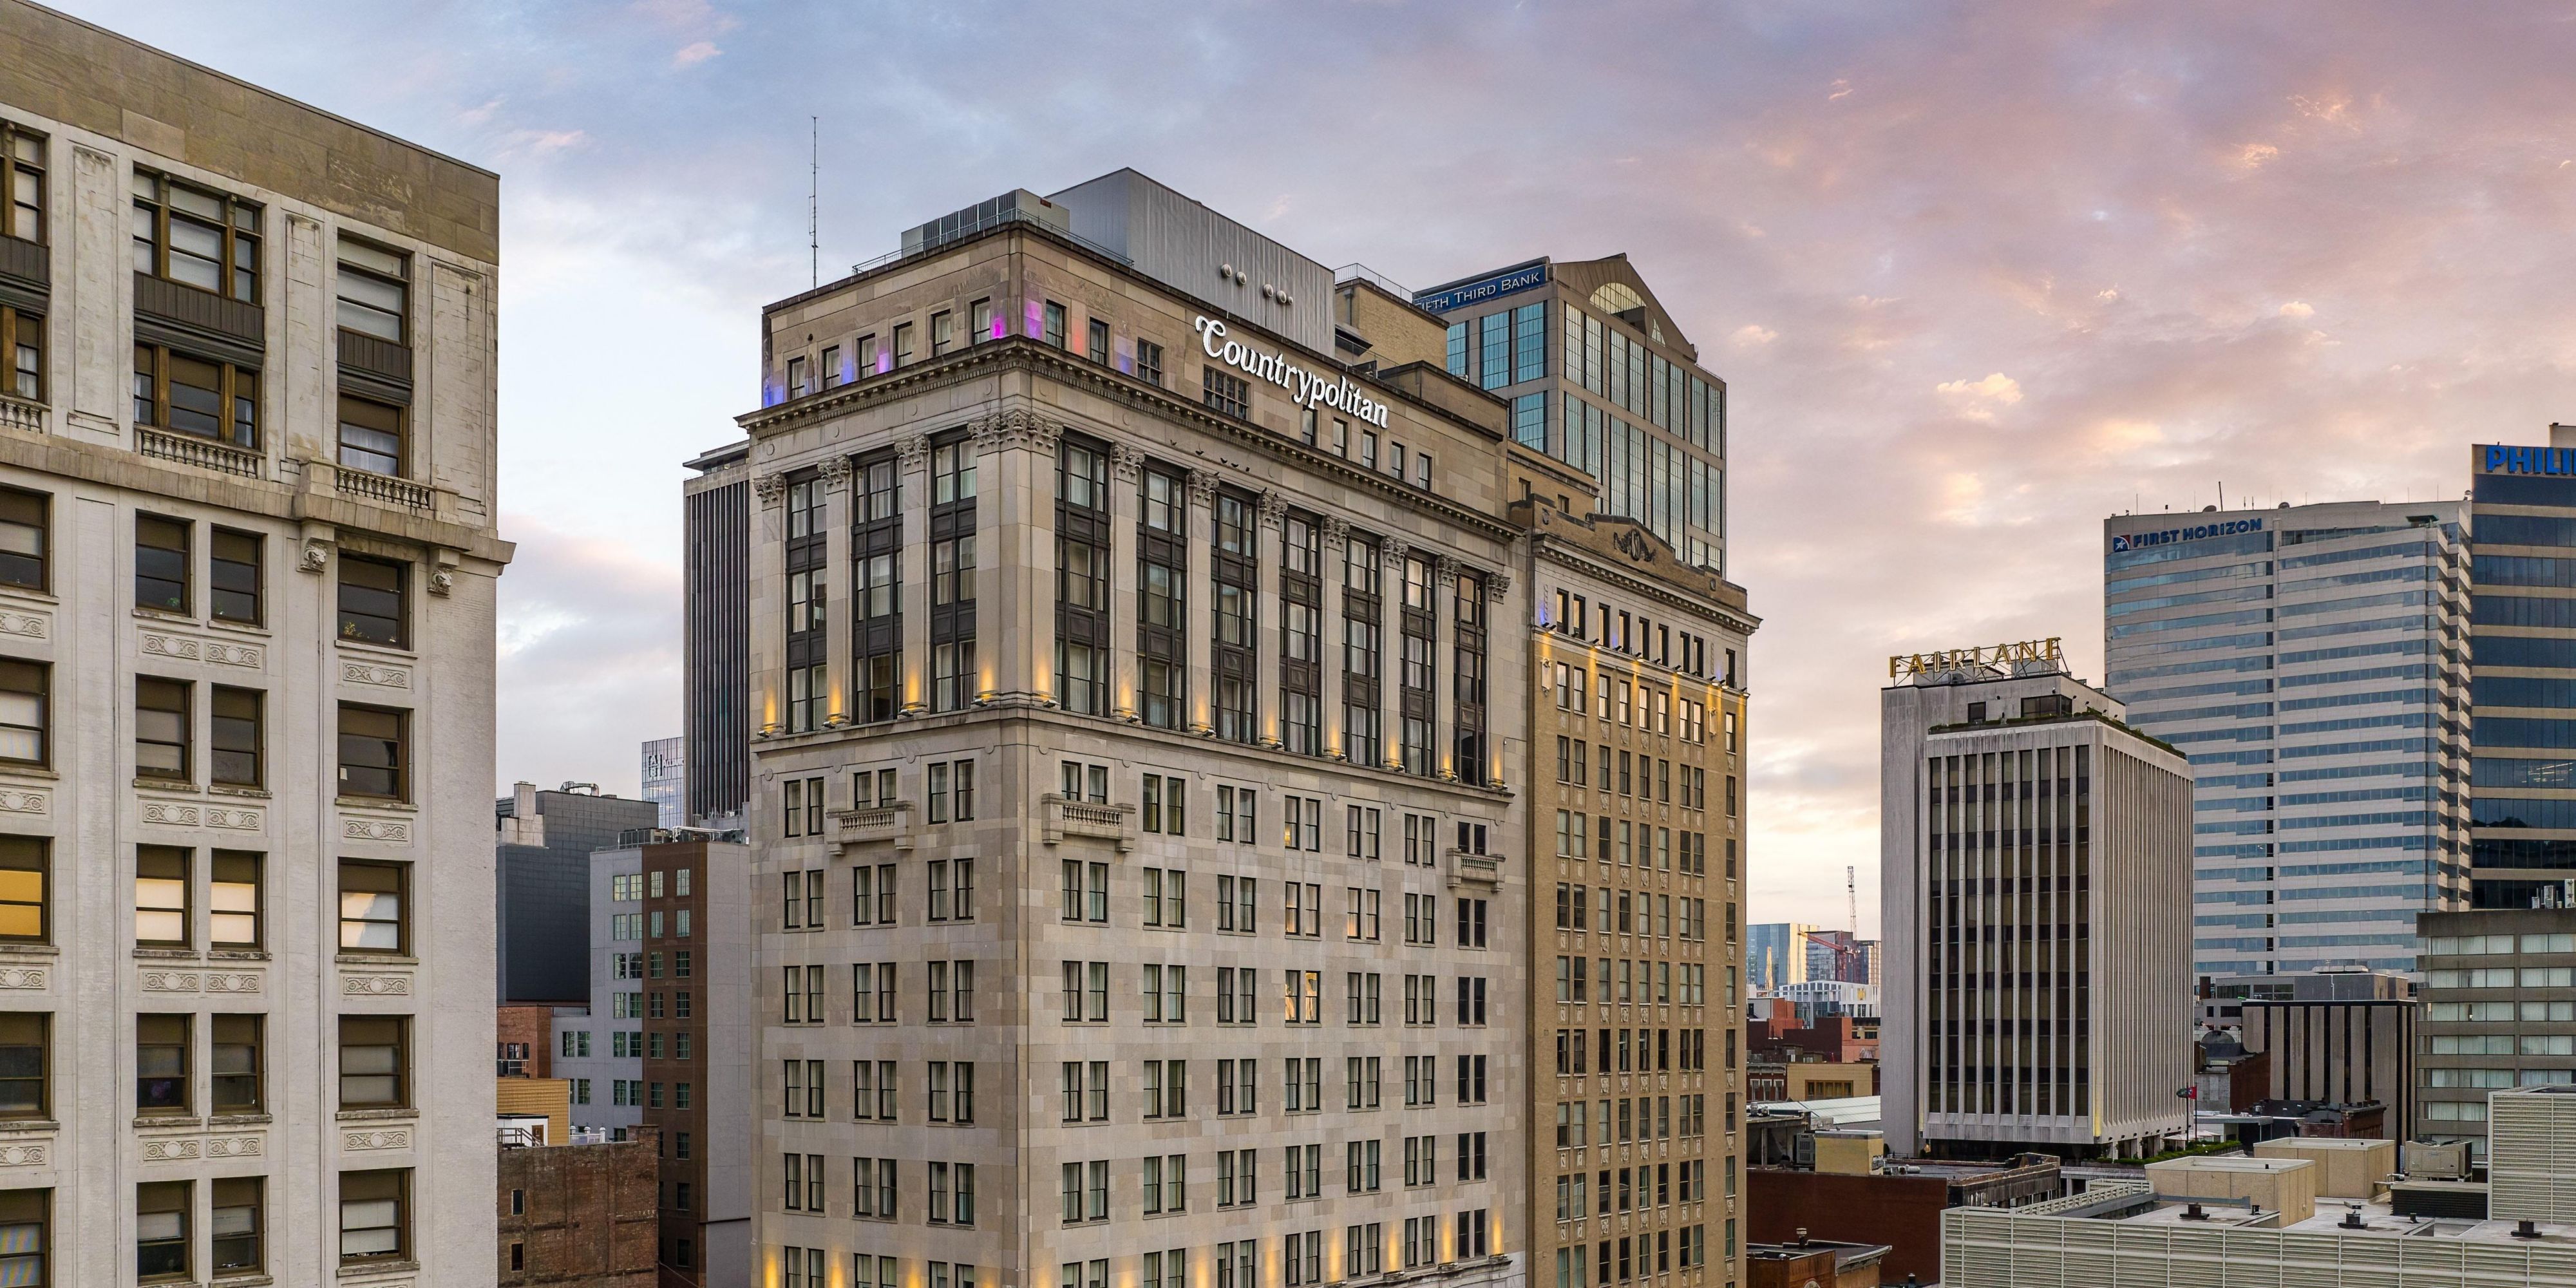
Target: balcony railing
point(1113, 823)
point(21, 415)
point(204, 454)
point(882, 823)
point(384, 489)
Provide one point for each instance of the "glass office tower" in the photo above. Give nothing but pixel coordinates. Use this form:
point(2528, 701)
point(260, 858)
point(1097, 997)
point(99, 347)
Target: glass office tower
point(2524, 777)
point(2311, 663)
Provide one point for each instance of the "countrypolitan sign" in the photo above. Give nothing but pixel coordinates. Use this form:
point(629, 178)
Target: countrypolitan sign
point(1308, 388)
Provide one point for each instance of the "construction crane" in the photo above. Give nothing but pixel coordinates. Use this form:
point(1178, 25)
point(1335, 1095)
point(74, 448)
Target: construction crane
point(1847, 952)
point(1851, 887)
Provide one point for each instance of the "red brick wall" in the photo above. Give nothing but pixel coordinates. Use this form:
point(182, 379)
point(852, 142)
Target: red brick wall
point(589, 1214)
point(1903, 1212)
point(530, 1024)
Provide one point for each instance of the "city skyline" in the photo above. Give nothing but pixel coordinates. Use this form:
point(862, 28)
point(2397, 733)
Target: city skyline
point(2004, 274)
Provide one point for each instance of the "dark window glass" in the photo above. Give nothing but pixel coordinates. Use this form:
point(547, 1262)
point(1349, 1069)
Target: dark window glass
point(371, 752)
point(23, 711)
point(374, 1216)
point(161, 1064)
point(372, 592)
point(238, 1224)
point(372, 1063)
point(24, 1066)
point(23, 539)
point(237, 1064)
point(236, 737)
point(160, 728)
point(160, 563)
point(233, 580)
point(161, 1230)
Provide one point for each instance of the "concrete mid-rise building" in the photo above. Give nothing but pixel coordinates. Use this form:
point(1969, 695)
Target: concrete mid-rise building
point(2312, 661)
point(1636, 807)
point(2499, 1010)
point(2342, 1037)
point(1135, 748)
point(248, 507)
point(2038, 982)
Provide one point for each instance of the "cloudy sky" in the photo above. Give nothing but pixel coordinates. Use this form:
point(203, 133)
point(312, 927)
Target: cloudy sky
point(1978, 274)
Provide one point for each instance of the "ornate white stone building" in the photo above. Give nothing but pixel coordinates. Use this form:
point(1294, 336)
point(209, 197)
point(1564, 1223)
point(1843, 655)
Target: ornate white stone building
point(1139, 896)
point(247, 561)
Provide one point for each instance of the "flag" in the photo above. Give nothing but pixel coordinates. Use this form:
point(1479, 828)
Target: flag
point(2189, 1093)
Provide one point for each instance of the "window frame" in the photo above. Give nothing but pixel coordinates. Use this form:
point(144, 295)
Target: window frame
point(162, 525)
point(398, 429)
point(16, 142)
point(399, 770)
point(383, 1032)
point(400, 879)
point(399, 278)
point(21, 330)
point(161, 688)
point(236, 391)
point(162, 1026)
point(397, 1182)
point(217, 539)
point(352, 624)
point(238, 232)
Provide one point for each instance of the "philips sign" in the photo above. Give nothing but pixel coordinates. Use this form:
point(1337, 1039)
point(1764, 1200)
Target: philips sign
point(2498, 459)
point(1309, 389)
point(1518, 278)
point(2199, 532)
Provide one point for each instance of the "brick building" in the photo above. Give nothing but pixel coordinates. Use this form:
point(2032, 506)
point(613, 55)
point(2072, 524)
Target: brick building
point(579, 1215)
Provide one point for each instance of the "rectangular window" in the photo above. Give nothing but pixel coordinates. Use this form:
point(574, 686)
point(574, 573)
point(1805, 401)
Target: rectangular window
point(196, 396)
point(375, 1215)
point(161, 1064)
point(1226, 395)
point(25, 528)
point(1096, 341)
point(943, 333)
point(22, 344)
point(238, 1225)
point(374, 291)
point(374, 1068)
point(1054, 315)
point(373, 761)
point(1149, 362)
point(903, 344)
point(26, 1070)
point(161, 1210)
point(233, 581)
point(236, 737)
point(372, 901)
point(161, 722)
point(24, 706)
point(161, 895)
point(196, 236)
point(161, 563)
point(237, 1064)
point(372, 601)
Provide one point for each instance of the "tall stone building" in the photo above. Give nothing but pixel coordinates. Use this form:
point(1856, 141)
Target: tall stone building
point(1636, 815)
point(247, 563)
point(2033, 847)
point(1131, 793)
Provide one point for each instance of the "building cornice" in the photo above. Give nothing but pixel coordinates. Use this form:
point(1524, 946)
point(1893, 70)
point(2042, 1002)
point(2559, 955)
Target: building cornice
point(1024, 354)
point(1549, 549)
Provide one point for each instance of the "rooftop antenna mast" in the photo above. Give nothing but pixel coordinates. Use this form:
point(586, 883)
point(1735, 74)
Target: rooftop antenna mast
point(813, 199)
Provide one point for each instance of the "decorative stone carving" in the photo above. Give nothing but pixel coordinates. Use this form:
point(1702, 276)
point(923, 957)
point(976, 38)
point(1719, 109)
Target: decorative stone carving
point(171, 981)
point(389, 1138)
point(1497, 586)
point(235, 1146)
point(170, 1149)
point(1202, 487)
point(178, 646)
point(170, 813)
point(913, 453)
point(1274, 510)
point(19, 800)
point(25, 1155)
point(238, 820)
point(442, 581)
point(317, 555)
point(31, 625)
point(383, 677)
point(394, 830)
point(375, 986)
point(218, 982)
point(1125, 460)
point(1393, 550)
point(1336, 534)
point(835, 471)
point(1444, 572)
point(22, 977)
point(771, 488)
point(222, 653)
point(1002, 430)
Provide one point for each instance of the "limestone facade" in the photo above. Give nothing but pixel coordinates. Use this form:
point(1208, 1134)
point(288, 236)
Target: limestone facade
point(247, 830)
point(1125, 831)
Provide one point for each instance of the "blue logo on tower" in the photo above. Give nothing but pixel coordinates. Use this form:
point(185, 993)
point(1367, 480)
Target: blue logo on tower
point(2501, 459)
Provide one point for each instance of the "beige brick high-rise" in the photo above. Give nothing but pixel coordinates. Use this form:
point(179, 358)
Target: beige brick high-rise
point(1636, 816)
point(247, 505)
point(1138, 892)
